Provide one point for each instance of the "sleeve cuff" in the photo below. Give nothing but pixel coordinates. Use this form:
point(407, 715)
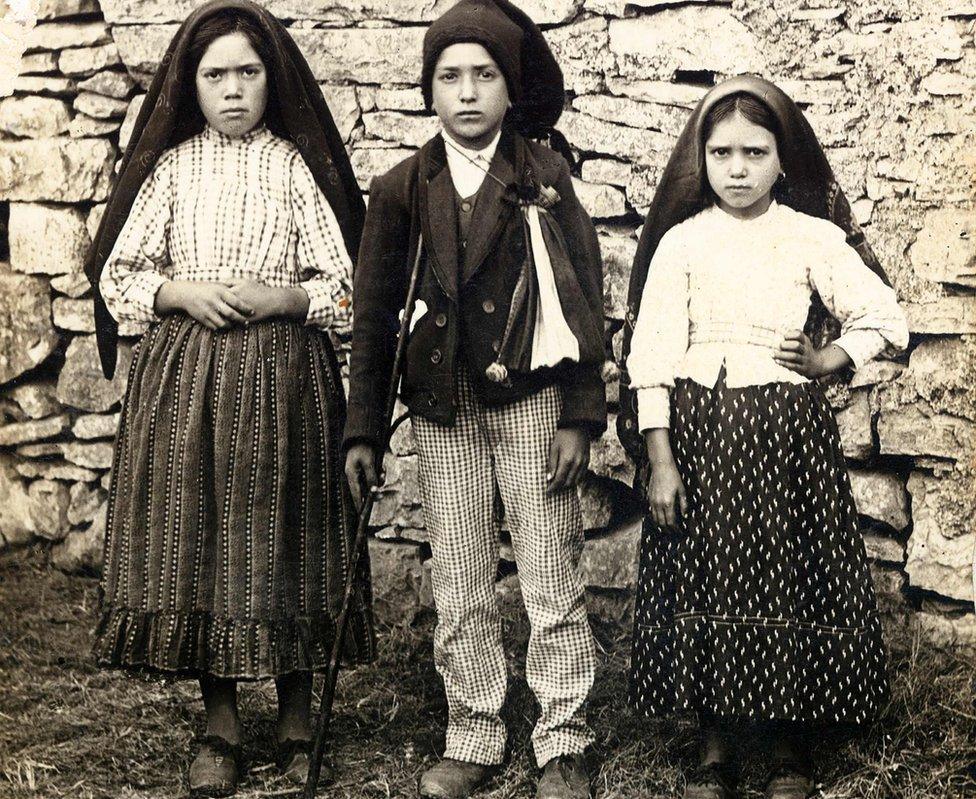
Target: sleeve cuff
point(139, 298)
point(585, 405)
point(363, 425)
point(323, 310)
point(653, 408)
point(861, 345)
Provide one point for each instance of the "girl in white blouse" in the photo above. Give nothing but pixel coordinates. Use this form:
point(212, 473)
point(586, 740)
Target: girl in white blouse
point(755, 602)
point(229, 240)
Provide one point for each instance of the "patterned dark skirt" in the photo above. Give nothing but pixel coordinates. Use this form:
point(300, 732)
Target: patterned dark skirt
point(761, 607)
point(230, 526)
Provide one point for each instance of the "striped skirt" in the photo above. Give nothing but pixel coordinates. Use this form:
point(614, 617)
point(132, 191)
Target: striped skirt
point(230, 525)
point(760, 606)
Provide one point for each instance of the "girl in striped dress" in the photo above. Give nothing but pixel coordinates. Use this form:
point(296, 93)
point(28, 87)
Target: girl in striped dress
point(229, 239)
point(755, 602)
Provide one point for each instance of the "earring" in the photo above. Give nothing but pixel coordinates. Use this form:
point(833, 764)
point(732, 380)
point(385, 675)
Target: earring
point(782, 175)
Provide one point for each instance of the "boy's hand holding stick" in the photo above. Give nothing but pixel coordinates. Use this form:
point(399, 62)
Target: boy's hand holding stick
point(363, 464)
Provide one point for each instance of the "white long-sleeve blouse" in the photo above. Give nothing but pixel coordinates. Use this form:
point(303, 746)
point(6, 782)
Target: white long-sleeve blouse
point(721, 290)
point(217, 208)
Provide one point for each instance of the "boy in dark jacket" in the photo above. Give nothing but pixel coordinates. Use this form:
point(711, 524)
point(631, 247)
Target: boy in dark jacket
point(502, 380)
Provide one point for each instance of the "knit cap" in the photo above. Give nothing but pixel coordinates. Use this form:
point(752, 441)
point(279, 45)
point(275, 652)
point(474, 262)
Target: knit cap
point(514, 41)
point(481, 22)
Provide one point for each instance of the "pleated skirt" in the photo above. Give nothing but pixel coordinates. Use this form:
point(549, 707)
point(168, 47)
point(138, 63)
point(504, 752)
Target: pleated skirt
point(230, 526)
point(760, 606)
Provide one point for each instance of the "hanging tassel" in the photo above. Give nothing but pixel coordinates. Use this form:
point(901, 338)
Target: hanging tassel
point(548, 197)
point(497, 372)
point(610, 372)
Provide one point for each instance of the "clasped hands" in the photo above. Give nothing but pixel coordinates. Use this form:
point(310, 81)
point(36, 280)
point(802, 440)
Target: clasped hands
point(221, 305)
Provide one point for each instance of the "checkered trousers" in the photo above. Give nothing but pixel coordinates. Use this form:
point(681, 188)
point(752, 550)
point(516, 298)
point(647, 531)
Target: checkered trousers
point(502, 452)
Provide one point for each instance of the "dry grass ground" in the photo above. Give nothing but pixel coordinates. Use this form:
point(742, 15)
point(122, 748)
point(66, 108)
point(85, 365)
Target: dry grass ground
point(70, 730)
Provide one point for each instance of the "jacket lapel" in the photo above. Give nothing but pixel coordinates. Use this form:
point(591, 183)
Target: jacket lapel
point(491, 212)
point(438, 217)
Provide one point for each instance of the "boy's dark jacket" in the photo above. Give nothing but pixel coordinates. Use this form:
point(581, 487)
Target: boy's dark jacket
point(467, 302)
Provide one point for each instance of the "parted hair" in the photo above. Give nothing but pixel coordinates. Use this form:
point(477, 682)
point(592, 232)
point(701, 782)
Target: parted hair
point(752, 109)
point(224, 23)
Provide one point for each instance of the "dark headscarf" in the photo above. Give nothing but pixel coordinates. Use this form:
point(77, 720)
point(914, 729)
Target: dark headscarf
point(809, 187)
point(168, 116)
point(531, 71)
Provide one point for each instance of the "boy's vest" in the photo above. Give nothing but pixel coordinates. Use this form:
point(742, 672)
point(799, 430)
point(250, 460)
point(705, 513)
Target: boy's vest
point(464, 208)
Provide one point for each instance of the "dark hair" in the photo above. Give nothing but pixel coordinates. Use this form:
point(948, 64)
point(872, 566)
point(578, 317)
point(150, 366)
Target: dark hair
point(223, 23)
point(755, 111)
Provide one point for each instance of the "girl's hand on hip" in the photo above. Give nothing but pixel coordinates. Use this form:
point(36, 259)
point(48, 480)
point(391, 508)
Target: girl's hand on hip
point(569, 457)
point(797, 353)
point(666, 494)
point(213, 305)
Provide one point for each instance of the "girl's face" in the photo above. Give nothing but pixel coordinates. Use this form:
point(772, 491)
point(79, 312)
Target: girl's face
point(742, 165)
point(469, 94)
point(232, 85)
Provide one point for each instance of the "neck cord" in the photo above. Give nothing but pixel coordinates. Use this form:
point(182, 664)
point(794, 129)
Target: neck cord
point(467, 157)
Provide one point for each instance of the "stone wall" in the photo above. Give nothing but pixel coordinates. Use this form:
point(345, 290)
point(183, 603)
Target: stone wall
point(888, 86)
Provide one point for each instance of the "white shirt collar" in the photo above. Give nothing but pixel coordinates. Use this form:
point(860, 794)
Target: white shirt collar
point(468, 177)
point(726, 218)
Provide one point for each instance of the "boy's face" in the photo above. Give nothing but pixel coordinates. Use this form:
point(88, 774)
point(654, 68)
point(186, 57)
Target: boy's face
point(232, 85)
point(469, 94)
point(742, 163)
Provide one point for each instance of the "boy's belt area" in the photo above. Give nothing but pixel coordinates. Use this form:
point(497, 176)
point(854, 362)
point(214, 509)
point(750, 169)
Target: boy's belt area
point(519, 384)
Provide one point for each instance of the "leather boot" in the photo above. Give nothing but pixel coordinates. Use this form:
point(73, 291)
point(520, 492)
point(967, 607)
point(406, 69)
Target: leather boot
point(454, 779)
point(564, 777)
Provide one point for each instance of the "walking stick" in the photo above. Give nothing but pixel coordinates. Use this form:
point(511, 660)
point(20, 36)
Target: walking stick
point(360, 543)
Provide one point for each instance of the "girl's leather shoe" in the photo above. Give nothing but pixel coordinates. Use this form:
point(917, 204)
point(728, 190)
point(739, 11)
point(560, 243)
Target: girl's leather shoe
point(292, 758)
point(712, 781)
point(217, 768)
point(789, 780)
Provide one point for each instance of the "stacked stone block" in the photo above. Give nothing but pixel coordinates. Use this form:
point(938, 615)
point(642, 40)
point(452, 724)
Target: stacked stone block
point(888, 87)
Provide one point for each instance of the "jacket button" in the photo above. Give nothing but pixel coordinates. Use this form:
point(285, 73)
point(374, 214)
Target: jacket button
point(435, 356)
point(440, 320)
point(496, 345)
point(431, 400)
point(488, 306)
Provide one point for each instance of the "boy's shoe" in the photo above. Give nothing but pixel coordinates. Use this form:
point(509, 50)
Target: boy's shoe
point(454, 779)
point(564, 777)
point(217, 768)
point(789, 780)
point(712, 781)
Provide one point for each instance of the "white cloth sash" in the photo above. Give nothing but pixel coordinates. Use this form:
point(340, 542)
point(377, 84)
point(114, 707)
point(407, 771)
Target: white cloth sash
point(552, 339)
